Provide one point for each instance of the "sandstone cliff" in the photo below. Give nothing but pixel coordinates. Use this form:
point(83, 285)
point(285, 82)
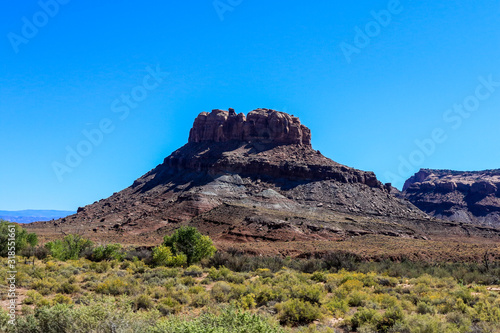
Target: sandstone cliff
point(468, 196)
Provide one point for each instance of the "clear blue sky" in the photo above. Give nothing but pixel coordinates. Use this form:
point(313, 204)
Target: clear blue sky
point(70, 75)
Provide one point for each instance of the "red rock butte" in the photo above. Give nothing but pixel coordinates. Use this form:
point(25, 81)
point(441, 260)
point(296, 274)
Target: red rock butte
point(260, 125)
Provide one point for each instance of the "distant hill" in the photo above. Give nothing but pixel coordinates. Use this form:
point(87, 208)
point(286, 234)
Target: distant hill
point(460, 196)
point(31, 215)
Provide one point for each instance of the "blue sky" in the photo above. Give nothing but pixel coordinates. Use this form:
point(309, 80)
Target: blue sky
point(67, 70)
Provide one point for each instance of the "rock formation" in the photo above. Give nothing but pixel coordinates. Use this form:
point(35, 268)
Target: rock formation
point(472, 197)
point(261, 125)
point(255, 177)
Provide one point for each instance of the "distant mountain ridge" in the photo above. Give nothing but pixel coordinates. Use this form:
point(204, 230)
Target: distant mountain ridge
point(33, 215)
point(460, 196)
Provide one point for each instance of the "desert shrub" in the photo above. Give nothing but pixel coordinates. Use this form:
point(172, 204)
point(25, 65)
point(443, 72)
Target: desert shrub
point(168, 306)
point(4, 320)
point(309, 265)
point(387, 281)
point(264, 272)
point(220, 274)
point(461, 321)
point(229, 320)
point(191, 243)
point(32, 297)
point(236, 278)
point(426, 324)
point(307, 292)
point(107, 252)
point(356, 298)
point(68, 288)
point(390, 318)
point(424, 308)
point(221, 291)
point(143, 302)
point(200, 299)
point(337, 307)
point(45, 286)
point(140, 254)
point(188, 281)
point(466, 295)
point(158, 276)
point(114, 286)
point(351, 284)
point(62, 299)
point(162, 256)
point(386, 300)
point(365, 317)
point(100, 267)
point(96, 317)
point(319, 276)
point(53, 320)
point(341, 260)
point(247, 302)
point(41, 252)
point(485, 311)
point(194, 271)
point(266, 293)
point(181, 294)
point(297, 312)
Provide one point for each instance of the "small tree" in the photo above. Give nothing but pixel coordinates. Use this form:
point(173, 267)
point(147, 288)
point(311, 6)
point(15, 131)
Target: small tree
point(21, 236)
point(32, 240)
point(70, 247)
point(190, 242)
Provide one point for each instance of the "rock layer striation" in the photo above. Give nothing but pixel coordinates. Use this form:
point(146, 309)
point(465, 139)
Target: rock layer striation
point(462, 196)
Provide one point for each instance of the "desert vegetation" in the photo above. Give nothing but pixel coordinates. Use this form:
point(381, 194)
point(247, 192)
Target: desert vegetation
point(182, 285)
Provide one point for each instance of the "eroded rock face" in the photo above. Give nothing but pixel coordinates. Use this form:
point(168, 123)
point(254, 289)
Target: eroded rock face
point(472, 197)
point(253, 177)
point(261, 125)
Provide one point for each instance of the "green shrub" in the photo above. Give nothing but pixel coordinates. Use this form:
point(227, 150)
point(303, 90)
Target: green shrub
point(389, 319)
point(297, 312)
point(70, 247)
point(114, 286)
point(200, 299)
point(169, 305)
point(62, 299)
point(229, 320)
point(32, 297)
point(424, 308)
point(194, 271)
point(247, 302)
point(337, 307)
point(68, 288)
point(221, 291)
point(190, 242)
point(319, 276)
point(9, 230)
point(307, 292)
point(365, 317)
point(45, 286)
point(220, 274)
point(107, 252)
point(162, 256)
point(143, 302)
point(356, 298)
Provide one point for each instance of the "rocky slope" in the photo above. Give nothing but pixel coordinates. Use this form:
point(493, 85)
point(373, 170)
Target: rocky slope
point(253, 178)
point(472, 197)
